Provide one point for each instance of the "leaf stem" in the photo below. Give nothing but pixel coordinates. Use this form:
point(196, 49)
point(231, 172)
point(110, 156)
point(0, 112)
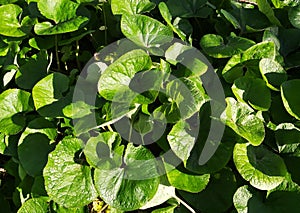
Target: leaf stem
point(77, 55)
point(185, 204)
point(56, 53)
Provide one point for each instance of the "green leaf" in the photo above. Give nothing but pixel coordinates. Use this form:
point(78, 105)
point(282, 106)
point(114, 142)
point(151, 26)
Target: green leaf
point(131, 6)
point(164, 11)
point(186, 92)
point(187, 8)
point(187, 182)
point(9, 23)
point(13, 102)
point(78, 109)
point(241, 118)
point(34, 145)
point(214, 45)
point(287, 137)
point(290, 97)
point(266, 49)
point(64, 178)
point(48, 94)
point(67, 16)
point(130, 186)
point(294, 16)
point(101, 149)
point(34, 205)
point(273, 73)
point(163, 194)
point(114, 82)
point(32, 71)
point(261, 167)
point(182, 139)
point(253, 91)
point(265, 8)
point(217, 197)
point(134, 28)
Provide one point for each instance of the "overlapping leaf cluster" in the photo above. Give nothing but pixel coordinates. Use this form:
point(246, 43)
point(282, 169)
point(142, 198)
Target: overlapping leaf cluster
point(135, 143)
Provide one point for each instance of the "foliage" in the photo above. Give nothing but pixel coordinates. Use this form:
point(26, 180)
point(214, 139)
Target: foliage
point(128, 131)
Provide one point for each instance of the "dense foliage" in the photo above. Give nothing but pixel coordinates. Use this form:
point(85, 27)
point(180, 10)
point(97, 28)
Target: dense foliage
point(128, 129)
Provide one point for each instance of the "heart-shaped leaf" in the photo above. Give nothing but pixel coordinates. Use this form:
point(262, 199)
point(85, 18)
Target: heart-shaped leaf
point(290, 97)
point(131, 6)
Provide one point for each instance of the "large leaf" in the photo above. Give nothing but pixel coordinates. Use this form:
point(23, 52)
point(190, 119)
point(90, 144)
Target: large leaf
point(115, 80)
point(9, 22)
point(182, 139)
point(273, 73)
point(13, 102)
point(241, 118)
point(214, 45)
point(150, 35)
point(188, 8)
point(131, 6)
point(287, 137)
point(48, 94)
point(129, 186)
point(34, 70)
point(290, 97)
point(67, 16)
point(67, 182)
point(261, 167)
point(217, 197)
point(34, 145)
point(253, 91)
point(182, 180)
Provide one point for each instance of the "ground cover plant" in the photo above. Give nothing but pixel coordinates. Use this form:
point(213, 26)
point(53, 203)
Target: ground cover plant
point(149, 106)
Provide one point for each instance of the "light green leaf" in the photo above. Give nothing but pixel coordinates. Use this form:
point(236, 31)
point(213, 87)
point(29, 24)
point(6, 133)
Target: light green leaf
point(241, 118)
point(13, 102)
point(261, 167)
point(78, 109)
point(188, 94)
point(115, 80)
point(104, 150)
point(48, 94)
point(163, 194)
point(187, 182)
point(67, 16)
point(290, 97)
point(266, 49)
point(287, 137)
point(273, 73)
point(214, 45)
point(182, 139)
point(9, 23)
point(151, 36)
point(164, 11)
point(253, 91)
point(65, 178)
point(34, 205)
point(132, 185)
point(120, 7)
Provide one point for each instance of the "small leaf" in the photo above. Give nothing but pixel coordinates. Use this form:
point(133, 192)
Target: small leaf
point(64, 178)
point(290, 97)
point(12, 103)
point(241, 118)
point(214, 45)
point(261, 167)
point(34, 205)
point(294, 16)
